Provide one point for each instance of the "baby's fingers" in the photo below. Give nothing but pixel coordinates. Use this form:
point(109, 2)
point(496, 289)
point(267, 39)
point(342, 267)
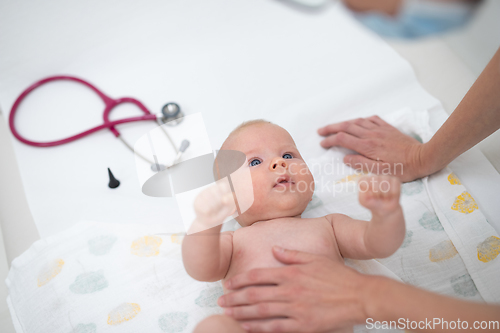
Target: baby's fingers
point(379, 193)
point(379, 186)
point(222, 187)
point(229, 205)
point(227, 198)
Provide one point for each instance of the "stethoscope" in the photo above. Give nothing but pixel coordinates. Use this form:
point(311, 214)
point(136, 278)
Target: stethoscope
point(170, 114)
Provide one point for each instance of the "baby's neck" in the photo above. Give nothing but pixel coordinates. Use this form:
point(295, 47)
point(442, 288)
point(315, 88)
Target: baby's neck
point(278, 218)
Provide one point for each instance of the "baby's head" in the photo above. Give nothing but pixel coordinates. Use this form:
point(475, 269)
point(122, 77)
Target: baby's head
point(282, 182)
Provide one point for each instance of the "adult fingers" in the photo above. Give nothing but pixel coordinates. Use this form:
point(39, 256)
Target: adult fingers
point(259, 311)
point(274, 325)
point(377, 120)
point(360, 162)
point(292, 256)
point(368, 165)
point(252, 295)
point(365, 123)
point(348, 127)
point(346, 140)
point(257, 276)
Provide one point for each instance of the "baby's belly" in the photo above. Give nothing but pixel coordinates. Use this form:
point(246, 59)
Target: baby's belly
point(252, 246)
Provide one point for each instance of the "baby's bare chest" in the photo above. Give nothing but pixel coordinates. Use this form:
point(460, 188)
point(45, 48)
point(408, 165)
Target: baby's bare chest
point(252, 246)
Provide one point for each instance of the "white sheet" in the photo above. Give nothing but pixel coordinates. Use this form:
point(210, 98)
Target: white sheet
point(231, 60)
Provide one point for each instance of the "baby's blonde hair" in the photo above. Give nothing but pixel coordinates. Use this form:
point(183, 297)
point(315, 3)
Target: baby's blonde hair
point(249, 123)
point(244, 125)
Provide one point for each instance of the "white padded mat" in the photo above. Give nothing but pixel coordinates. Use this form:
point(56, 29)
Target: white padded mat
point(108, 277)
point(124, 278)
point(230, 60)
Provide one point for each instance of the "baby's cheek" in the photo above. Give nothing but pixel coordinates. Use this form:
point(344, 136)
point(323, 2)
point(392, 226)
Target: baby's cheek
point(246, 187)
point(298, 169)
point(303, 174)
point(257, 189)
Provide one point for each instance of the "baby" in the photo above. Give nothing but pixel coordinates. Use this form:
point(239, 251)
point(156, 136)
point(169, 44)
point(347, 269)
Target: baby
point(282, 188)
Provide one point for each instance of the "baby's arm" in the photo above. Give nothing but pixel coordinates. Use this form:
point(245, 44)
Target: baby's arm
point(383, 235)
point(206, 253)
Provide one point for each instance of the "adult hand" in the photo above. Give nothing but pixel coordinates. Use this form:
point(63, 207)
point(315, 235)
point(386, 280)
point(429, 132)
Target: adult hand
point(311, 293)
point(383, 148)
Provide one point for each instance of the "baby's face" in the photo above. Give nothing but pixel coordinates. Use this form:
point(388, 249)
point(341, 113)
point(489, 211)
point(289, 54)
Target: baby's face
point(282, 182)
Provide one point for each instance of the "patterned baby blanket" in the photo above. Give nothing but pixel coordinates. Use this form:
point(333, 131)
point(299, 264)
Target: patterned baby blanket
point(98, 277)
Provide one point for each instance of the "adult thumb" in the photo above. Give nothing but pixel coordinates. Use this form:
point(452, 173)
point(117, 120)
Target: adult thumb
point(291, 256)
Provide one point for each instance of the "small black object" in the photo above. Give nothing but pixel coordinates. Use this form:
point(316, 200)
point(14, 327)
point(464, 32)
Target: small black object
point(113, 182)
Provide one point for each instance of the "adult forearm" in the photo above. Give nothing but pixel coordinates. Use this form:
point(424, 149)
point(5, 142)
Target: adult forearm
point(476, 117)
point(392, 301)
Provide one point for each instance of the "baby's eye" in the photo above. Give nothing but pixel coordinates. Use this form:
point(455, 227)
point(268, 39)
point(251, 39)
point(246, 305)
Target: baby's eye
point(287, 156)
point(254, 162)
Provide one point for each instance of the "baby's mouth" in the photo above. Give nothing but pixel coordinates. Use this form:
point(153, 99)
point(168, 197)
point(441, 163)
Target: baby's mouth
point(284, 181)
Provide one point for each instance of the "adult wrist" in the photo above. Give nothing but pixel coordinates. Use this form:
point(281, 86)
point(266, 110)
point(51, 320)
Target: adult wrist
point(430, 160)
point(377, 290)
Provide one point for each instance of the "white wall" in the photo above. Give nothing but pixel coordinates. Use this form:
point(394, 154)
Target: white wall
point(478, 41)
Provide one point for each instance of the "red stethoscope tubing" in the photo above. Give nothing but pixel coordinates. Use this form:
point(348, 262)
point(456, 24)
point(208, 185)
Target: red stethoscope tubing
point(109, 105)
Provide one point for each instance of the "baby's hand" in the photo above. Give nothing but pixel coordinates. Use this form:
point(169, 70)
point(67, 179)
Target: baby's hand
point(214, 204)
point(380, 194)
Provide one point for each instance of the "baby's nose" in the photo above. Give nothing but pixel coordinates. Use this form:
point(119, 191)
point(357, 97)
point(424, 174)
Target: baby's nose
point(276, 163)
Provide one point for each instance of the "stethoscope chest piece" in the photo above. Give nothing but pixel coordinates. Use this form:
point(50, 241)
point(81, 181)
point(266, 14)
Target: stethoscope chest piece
point(171, 114)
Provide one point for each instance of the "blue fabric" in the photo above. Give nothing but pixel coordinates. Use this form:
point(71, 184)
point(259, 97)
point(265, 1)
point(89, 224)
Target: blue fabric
point(418, 18)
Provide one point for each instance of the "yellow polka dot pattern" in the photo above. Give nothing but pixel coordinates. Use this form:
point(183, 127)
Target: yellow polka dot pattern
point(351, 178)
point(442, 251)
point(464, 203)
point(147, 246)
point(50, 271)
point(124, 312)
point(453, 179)
point(488, 249)
point(176, 239)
